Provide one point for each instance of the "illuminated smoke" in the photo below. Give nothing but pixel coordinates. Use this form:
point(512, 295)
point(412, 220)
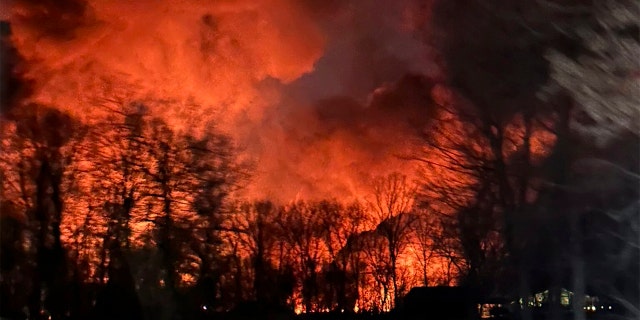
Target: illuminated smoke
point(335, 146)
point(214, 53)
point(357, 111)
point(316, 92)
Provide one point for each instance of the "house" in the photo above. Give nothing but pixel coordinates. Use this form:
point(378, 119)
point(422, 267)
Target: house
point(448, 303)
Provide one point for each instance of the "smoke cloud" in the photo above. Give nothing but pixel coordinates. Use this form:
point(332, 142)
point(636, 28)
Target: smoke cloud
point(320, 93)
point(214, 53)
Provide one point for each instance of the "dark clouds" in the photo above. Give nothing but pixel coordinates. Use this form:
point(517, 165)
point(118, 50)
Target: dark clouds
point(360, 108)
point(369, 43)
point(54, 18)
point(404, 105)
point(371, 88)
point(336, 145)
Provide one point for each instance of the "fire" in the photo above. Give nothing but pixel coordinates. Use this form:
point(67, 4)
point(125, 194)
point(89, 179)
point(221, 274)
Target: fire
point(242, 66)
point(210, 60)
point(198, 64)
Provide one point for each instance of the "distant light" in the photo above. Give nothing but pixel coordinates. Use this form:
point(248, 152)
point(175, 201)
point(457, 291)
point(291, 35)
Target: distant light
point(204, 307)
point(609, 307)
point(601, 307)
point(342, 310)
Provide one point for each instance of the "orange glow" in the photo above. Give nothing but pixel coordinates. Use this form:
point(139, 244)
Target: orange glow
point(195, 64)
point(223, 64)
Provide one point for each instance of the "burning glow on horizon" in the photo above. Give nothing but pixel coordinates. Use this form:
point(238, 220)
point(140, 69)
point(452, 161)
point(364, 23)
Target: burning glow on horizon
point(234, 64)
point(226, 64)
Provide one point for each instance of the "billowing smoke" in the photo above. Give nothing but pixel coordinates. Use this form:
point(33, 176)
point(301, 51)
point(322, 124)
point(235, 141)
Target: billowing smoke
point(320, 93)
point(357, 113)
point(335, 146)
point(215, 53)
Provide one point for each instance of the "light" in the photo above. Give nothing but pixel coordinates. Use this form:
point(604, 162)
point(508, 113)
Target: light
point(204, 307)
point(609, 307)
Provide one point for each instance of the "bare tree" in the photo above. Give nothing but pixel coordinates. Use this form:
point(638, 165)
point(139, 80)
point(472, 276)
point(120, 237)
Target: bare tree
point(170, 186)
point(393, 211)
point(303, 230)
point(378, 292)
point(479, 173)
point(257, 228)
point(341, 223)
point(41, 144)
point(423, 244)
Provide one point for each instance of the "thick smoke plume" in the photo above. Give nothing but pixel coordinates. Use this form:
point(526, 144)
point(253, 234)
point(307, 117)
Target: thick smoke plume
point(320, 94)
point(214, 53)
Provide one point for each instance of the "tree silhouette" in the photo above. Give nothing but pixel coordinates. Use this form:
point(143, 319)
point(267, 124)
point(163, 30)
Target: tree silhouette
point(34, 168)
point(392, 207)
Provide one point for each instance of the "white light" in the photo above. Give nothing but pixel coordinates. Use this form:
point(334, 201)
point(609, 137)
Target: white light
point(609, 307)
point(601, 307)
point(204, 307)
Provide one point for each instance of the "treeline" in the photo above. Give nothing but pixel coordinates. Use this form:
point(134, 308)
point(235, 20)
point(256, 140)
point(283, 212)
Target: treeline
point(88, 208)
point(528, 181)
point(126, 217)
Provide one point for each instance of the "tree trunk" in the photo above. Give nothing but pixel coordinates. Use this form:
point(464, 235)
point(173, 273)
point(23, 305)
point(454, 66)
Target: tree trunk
point(425, 279)
point(167, 255)
point(394, 280)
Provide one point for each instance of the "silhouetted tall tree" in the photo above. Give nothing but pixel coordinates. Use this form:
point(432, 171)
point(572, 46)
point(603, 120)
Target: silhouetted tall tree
point(42, 141)
point(341, 223)
point(392, 206)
